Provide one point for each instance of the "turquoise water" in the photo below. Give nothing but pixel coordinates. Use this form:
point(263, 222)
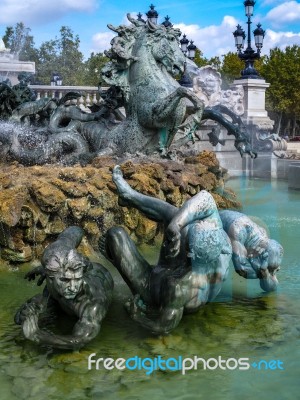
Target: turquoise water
point(243, 322)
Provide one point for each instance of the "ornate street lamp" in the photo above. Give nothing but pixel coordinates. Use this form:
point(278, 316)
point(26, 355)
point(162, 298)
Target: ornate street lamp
point(184, 43)
point(249, 55)
point(140, 17)
point(249, 7)
point(259, 35)
point(152, 15)
point(185, 80)
point(167, 23)
point(239, 37)
point(191, 50)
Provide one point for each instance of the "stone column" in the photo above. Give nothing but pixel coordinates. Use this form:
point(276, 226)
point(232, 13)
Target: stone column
point(255, 102)
point(260, 128)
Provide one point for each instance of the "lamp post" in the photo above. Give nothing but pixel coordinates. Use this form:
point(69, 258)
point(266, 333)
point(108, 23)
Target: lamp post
point(140, 17)
point(152, 15)
point(189, 50)
point(167, 23)
point(184, 44)
point(249, 55)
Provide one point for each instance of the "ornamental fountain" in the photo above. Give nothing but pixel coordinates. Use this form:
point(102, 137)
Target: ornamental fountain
point(11, 66)
point(45, 209)
point(161, 116)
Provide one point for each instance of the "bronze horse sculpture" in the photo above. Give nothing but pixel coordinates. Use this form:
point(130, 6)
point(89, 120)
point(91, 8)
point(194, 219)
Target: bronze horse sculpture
point(144, 60)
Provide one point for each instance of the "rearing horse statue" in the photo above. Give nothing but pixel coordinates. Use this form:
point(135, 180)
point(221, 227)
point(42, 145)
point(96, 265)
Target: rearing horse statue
point(144, 61)
point(145, 58)
point(145, 68)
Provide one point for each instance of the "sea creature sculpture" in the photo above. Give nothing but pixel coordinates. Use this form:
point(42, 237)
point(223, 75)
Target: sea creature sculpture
point(193, 262)
point(198, 244)
point(74, 285)
point(254, 254)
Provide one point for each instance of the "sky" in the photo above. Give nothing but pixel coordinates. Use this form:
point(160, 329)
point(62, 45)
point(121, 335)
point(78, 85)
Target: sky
point(208, 23)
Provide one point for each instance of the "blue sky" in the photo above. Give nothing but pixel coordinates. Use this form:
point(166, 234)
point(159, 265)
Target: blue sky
point(209, 23)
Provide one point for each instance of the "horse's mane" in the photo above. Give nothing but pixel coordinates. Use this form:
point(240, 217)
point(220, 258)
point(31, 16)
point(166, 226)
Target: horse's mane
point(120, 54)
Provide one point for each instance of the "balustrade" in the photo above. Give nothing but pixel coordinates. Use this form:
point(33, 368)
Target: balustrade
point(90, 94)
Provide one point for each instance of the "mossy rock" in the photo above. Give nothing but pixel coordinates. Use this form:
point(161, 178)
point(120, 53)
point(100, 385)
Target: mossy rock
point(37, 203)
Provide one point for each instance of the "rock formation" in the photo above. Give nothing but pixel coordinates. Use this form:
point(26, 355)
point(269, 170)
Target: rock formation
point(39, 202)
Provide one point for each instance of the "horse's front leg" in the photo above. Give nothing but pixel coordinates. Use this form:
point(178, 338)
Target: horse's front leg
point(171, 112)
point(164, 108)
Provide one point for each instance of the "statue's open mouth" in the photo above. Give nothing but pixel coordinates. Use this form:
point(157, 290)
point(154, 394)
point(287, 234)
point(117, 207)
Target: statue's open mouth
point(70, 295)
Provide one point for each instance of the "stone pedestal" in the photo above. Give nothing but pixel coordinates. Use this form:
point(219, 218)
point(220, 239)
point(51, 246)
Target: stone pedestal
point(10, 67)
point(294, 175)
point(254, 102)
point(227, 155)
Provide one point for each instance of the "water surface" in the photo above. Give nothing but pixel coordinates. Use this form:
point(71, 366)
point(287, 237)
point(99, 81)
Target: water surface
point(242, 322)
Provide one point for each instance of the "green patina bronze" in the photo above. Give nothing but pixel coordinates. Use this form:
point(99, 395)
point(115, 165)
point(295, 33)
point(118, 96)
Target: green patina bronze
point(144, 60)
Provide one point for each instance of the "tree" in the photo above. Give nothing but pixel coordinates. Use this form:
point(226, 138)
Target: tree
point(20, 42)
point(215, 62)
point(92, 68)
point(199, 59)
point(281, 70)
point(61, 55)
point(231, 68)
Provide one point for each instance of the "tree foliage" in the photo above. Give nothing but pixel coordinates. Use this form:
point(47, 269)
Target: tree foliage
point(92, 68)
point(201, 61)
point(231, 68)
point(282, 70)
point(61, 55)
point(18, 39)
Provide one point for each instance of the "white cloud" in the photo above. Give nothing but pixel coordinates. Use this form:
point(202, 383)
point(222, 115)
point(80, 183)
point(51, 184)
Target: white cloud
point(212, 40)
point(101, 41)
point(285, 13)
point(216, 40)
point(279, 39)
point(37, 12)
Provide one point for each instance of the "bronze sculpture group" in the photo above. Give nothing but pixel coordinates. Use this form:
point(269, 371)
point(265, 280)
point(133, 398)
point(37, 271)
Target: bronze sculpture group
point(198, 243)
point(144, 61)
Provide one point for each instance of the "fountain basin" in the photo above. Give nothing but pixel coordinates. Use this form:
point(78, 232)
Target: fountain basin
point(294, 175)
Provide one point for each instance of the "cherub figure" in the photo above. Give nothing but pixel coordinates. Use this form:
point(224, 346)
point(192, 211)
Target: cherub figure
point(207, 86)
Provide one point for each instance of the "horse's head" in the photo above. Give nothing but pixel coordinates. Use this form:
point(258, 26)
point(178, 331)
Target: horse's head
point(165, 47)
